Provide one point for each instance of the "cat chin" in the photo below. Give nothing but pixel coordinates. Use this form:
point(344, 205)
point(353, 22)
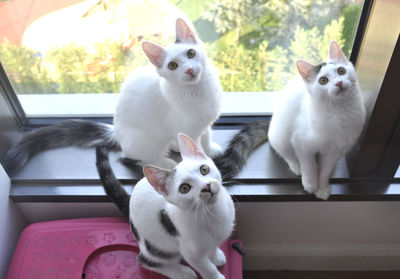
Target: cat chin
point(192, 79)
point(208, 198)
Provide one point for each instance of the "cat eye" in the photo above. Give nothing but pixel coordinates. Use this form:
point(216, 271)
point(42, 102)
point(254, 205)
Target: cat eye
point(172, 65)
point(204, 169)
point(184, 188)
point(191, 53)
point(341, 71)
point(323, 80)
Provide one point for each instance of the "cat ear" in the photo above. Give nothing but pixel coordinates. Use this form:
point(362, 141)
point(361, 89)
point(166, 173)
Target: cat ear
point(154, 52)
point(183, 32)
point(305, 69)
point(336, 53)
point(157, 178)
point(189, 148)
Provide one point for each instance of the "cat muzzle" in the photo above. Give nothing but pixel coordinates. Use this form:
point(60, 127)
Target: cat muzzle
point(339, 84)
point(206, 188)
point(189, 72)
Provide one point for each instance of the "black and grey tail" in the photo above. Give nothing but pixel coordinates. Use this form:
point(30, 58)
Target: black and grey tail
point(240, 147)
point(111, 184)
point(80, 133)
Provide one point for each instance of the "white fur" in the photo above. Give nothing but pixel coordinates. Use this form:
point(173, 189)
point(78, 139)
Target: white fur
point(202, 220)
point(156, 105)
point(314, 125)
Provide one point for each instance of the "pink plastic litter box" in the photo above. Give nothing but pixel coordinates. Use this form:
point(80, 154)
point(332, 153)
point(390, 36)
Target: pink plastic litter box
point(95, 248)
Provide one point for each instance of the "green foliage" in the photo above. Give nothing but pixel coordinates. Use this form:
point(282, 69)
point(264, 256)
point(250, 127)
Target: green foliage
point(253, 43)
point(25, 69)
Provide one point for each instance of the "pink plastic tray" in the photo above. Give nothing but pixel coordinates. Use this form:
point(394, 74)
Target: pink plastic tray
point(95, 248)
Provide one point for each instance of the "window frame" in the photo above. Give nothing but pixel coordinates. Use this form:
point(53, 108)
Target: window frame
point(364, 183)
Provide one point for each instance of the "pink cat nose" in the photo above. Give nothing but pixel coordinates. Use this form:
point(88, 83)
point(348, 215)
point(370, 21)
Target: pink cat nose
point(189, 71)
point(339, 84)
point(206, 188)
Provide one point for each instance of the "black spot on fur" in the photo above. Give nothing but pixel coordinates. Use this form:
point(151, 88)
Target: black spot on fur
point(134, 231)
point(111, 184)
point(317, 68)
point(240, 147)
point(145, 261)
point(157, 252)
point(167, 223)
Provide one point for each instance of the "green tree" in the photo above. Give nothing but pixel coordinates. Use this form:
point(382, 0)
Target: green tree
point(25, 69)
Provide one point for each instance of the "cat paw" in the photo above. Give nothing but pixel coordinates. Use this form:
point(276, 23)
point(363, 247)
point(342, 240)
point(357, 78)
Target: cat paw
point(174, 146)
point(218, 258)
point(310, 185)
point(295, 168)
point(214, 150)
point(323, 193)
point(188, 273)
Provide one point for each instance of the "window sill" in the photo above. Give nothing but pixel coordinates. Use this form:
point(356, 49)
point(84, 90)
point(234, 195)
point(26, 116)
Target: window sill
point(69, 175)
point(102, 105)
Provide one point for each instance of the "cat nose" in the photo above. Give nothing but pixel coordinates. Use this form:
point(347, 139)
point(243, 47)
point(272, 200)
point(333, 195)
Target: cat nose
point(189, 71)
point(339, 84)
point(207, 188)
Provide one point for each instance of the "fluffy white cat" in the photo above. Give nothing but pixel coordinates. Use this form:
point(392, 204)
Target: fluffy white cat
point(318, 119)
point(182, 94)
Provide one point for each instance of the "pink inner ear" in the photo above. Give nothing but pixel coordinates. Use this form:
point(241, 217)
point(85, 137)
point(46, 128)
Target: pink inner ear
point(155, 53)
point(157, 178)
point(184, 33)
point(305, 69)
point(335, 52)
point(189, 148)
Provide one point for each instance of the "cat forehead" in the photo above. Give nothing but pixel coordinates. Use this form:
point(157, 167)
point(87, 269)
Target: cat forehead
point(179, 49)
point(192, 165)
point(191, 168)
point(328, 67)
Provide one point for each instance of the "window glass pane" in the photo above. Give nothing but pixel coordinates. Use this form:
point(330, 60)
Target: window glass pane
point(89, 46)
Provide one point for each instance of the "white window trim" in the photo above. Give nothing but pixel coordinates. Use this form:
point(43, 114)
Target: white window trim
point(100, 105)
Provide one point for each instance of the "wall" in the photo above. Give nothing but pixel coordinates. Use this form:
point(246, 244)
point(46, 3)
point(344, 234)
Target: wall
point(12, 222)
point(291, 235)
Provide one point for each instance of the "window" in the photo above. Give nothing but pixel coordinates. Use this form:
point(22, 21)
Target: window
point(375, 52)
point(69, 57)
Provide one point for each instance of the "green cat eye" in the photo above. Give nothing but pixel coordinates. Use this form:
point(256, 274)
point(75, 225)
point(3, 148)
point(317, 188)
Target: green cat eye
point(172, 65)
point(191, 53)
point(204, 169)
point(184, 188)
point(323, 80)
point(341, 71)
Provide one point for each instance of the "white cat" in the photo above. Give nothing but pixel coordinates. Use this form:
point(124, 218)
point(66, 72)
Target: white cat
point(318, 120)
point(183, 94)
point(182, 213)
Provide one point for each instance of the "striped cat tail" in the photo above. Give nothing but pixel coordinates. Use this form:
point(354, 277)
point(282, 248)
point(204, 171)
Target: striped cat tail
point(80, 133)
point(111, 184)
point(240, 147)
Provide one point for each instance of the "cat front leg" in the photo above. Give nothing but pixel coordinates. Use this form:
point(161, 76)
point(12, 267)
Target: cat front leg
point(174, 146)
point(327, 163)
point(172, 270)
point(308, 168)
point(218, 257)
point(212, 149)
point(202, 264)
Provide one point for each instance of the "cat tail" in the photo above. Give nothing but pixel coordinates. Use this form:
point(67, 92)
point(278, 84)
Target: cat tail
point(240, 147)
point(80, 133)
point(114, 189)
